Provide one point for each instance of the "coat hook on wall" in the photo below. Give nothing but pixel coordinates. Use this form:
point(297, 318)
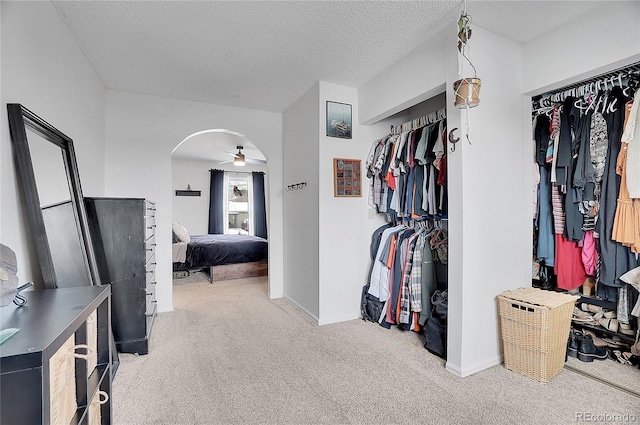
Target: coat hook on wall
point(453, 140)
point(295, 186)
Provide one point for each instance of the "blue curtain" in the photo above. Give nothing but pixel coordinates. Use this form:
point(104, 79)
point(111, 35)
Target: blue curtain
point(259, 208)
point(216, 197)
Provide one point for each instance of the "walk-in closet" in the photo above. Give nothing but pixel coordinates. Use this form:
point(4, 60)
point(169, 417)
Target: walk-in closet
point(586, 217)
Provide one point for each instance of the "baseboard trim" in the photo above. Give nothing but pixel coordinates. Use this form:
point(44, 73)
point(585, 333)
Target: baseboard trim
point(478, 367)
point(338, 319)
point(302, 309)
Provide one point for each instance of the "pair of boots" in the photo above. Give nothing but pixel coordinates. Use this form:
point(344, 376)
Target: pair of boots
point(582, 347)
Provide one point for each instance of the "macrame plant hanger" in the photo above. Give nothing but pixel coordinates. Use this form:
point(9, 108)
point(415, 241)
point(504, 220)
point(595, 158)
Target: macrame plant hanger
point(466, 89)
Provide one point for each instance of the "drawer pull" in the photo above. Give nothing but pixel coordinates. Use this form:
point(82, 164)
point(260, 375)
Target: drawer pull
point(102, 398)
point(151, 227)
point(149, 293)
point(80, 355)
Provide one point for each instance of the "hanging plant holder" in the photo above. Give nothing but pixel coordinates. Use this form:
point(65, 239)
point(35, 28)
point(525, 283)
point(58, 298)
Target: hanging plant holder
point(467, 92)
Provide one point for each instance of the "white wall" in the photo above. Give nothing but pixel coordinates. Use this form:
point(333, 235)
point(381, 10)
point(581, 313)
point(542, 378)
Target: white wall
point(418, 76)
point(193, 211)
point(141, 133)
point(495, 206)
point(301, 209)
point(43, 69)
point(346, 224)
point(600, 40)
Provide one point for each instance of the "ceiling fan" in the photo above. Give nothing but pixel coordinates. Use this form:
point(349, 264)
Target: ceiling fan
point(239, 158)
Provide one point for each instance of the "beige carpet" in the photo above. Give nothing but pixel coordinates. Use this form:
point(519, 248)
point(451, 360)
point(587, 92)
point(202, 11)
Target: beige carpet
point(229, 355)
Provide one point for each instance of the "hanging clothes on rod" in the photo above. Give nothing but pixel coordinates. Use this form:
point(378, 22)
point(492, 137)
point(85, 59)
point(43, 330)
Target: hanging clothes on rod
point(621, 77)
point(420, 122)
point(407, 171)
point(584, 167)
point(409, 265)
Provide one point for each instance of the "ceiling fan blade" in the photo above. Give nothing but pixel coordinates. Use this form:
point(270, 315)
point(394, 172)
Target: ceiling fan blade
point(255, 161)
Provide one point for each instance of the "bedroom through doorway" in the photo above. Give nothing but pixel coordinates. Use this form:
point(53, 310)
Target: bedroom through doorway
point(219, 212)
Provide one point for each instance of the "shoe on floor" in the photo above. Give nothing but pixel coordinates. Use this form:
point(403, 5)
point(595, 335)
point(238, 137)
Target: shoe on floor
point(573, 343)
point(588, 352)
point(621, 357)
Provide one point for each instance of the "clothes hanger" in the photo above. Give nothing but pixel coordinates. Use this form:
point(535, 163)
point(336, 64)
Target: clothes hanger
point(612, 106)
point(580, 104)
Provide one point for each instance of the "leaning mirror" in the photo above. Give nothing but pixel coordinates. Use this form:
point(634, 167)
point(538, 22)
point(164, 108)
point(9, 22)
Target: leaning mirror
point(46, 163)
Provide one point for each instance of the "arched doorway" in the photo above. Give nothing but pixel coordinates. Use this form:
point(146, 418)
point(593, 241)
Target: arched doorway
point(243, 204)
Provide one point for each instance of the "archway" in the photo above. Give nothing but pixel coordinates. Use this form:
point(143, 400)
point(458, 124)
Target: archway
point(191, 161)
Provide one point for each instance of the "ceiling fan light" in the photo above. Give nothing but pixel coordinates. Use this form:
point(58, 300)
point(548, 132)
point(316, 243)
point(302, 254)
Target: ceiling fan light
point(238, 160)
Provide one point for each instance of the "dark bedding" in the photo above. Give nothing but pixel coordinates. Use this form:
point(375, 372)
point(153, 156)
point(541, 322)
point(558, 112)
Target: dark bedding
point(216, 250)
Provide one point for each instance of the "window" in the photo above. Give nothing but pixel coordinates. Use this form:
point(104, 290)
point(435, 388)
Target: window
point(238, 204)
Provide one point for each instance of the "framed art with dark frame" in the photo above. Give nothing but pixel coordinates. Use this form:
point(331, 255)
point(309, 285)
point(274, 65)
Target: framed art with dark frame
point(339, 120)
point(347, 178)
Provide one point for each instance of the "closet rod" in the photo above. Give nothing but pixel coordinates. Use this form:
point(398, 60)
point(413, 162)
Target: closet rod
point(422, 121)
point(603, 81)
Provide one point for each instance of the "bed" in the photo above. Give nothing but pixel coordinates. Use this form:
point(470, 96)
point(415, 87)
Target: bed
point(225, 256)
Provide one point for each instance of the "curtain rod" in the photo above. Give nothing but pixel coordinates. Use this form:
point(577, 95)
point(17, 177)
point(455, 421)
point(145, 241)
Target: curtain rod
point(238, 172)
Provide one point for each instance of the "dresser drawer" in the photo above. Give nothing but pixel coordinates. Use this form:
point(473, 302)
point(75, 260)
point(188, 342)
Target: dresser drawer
point(149, 227)
point(151, 298)
point(62, 381)
point(151, 274)
point(150, 316)
point(149, 248)
point(150, 209)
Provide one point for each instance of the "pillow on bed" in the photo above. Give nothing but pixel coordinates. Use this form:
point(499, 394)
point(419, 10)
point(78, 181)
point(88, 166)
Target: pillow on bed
point(181, 233)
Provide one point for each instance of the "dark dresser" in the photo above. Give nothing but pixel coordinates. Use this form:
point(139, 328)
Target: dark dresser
point(123, 233)
point(57, 367)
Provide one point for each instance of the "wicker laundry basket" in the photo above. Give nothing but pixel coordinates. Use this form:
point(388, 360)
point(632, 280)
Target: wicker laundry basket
point(535, 328)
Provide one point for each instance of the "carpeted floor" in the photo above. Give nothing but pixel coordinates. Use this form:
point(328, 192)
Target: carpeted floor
point(229, 355)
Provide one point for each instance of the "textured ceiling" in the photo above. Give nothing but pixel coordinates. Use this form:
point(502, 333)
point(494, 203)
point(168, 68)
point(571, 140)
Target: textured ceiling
point(265, 54)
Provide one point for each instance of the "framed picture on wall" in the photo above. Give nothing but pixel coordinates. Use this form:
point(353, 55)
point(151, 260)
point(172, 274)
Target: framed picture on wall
point(347, 178)
point(338, 120)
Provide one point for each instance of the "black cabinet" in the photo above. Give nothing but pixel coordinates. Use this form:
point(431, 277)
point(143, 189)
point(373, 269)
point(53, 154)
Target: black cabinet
point(57, 367)
point(123, 232)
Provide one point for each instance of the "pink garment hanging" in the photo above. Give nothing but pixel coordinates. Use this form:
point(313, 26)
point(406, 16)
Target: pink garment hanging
point(589, 253)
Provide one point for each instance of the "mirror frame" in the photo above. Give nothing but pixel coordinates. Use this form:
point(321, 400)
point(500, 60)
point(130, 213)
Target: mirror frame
point(19, 119)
